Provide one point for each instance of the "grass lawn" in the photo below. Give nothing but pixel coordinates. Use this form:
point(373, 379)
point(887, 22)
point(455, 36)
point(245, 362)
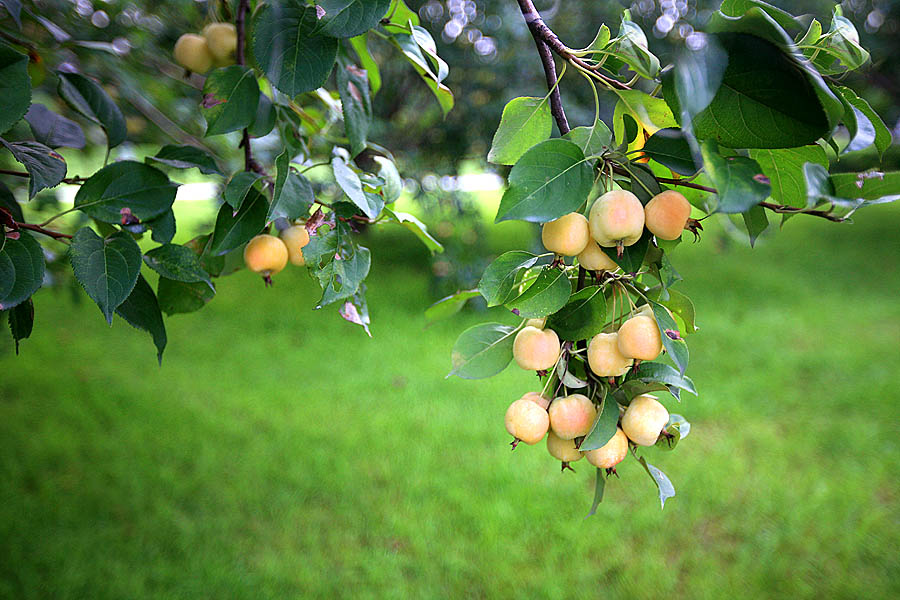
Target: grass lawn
point(280, 453)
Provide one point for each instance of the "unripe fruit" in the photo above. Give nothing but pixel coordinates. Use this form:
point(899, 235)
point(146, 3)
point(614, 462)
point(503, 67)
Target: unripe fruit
point(295, 238)
point(572, 416)
point(563, 450)
point(604, 357)
point(644, 419)
point(567, 235)
point(222, 41)
point(608, 456)
point(639, 338)
point(536, 349)
point(593, 258)
point(617, 219)
point(265, 254)
point(542, 401)
point(667, 214)
point(192, 52)
point(527, 421)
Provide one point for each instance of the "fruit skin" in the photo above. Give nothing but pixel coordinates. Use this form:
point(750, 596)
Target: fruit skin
point(666, 214)
point(617, 219)
point(567, 235)
point(536, 349)
point(608, 456)
point(295, 238)
point(192, 52)
point(265, 254)
point(527, 421)
point(221, 38)
point(644, 419)
point(639, 338)
point(539, 323)
point(563, 450)
point(604, 357)
point(542, 401)
point(572, 416)
point(593, 258)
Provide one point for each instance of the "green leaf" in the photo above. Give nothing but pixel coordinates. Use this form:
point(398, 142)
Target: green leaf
point(881, 135)
point(341, 277)
point(141, 311)
point(482, 351)
point(784, 168)
point(682, 306)
point(448, 306)
point(677, 429)
point(739, 181)
point(141, 189)
point(287, 47)
point(185, 157)
point(107, 268)
point(737, 8)
point(238, 188)
point(599, 487)
point(21, 321)
point(582, 317)
point(604, 427)
point(871, 187)
point(650, 112)
point(550, 180)
point(418, 228)
point(8, 201)
point(88, 98)
point(356, 310)
point(393, 184)
point(178, 263)
point(497, 282)
point(525, 122)
point(353, 88)
point(367, 62)
point(45, 166)
point(413, 54)
point(15, 86)
point(400, 14)
point(53, 130)
point(654, 372)
point(348, 180)
point(839, 50)
point(632, 256)
point(14, 8)
point(756, 222)
point(177, 297)
point(230, 99)
point(632, 48)
point(348, 18)
point(264, 121)
point(592, 140)
point(677, 348)
point(549, 293)
point(643, 182)
point(233, 229)
point(293, 194)
point(663, 484)
point(21, 270)
point(163, 227)
point(670, 148)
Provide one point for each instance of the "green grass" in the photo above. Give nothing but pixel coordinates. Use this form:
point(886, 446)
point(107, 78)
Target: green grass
point(280, 453)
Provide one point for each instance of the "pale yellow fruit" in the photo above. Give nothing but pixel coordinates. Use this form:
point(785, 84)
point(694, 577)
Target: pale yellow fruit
point(617, 219)
point(593, 258)
point(644, 419)
point(527, 421)
point(539, 323)
point(537, 398)
point(666, 214)
point(567, 235)
point(611, 454)
point(572, 416)
point(604, 357)
point(265, 254)
point(295, 238)
point(222, 41)
point(563, 450)
point(536, 349)
point(192, 52)
point(639, 338)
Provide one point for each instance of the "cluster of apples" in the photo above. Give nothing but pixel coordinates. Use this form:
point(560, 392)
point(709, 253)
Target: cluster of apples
point(267, 255)
point(214, 47)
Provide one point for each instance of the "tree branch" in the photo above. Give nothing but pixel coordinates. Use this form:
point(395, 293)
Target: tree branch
point(70, 180)
point(239, 25)
point(48, 232)
point(535, 23)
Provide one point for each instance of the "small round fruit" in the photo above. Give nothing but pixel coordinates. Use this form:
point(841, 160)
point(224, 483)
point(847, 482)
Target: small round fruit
point(295, 238)
point(667, 214)
point(222, 41)
point(644, 419)
point(192, 52)
point(639, 338)
point(537, 398)
point(536, 349)
point(527, 421)
point(572, 416)
point(593, 258)
point(265, 254)
point(604, 357)
point(567, 235)
point(608, 456)
point(563, 450)
point(617, 219)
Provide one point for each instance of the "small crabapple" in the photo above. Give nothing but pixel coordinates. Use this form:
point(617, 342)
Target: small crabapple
point(667, 214)
point(644, 419)
point(572, 416)
point(617, 219)
point(527, 421)
point(604, 357)
point(222, 41)
point(536, 349)
point(295, 238)
point(267, 255)
point(639, 338)
point(192, 52)
point(567, 235)
point(593, 258)
point(564, 450)
point(610, 454)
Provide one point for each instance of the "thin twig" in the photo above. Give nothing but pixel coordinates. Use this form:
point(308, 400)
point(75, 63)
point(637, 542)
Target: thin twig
point(48, 232)
point(532, 18)
point(239, 25)
point(70, 180)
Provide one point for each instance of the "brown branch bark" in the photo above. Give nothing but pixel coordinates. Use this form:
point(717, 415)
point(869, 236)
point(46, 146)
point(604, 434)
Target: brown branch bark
point(240, 27)
point(538, 31)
